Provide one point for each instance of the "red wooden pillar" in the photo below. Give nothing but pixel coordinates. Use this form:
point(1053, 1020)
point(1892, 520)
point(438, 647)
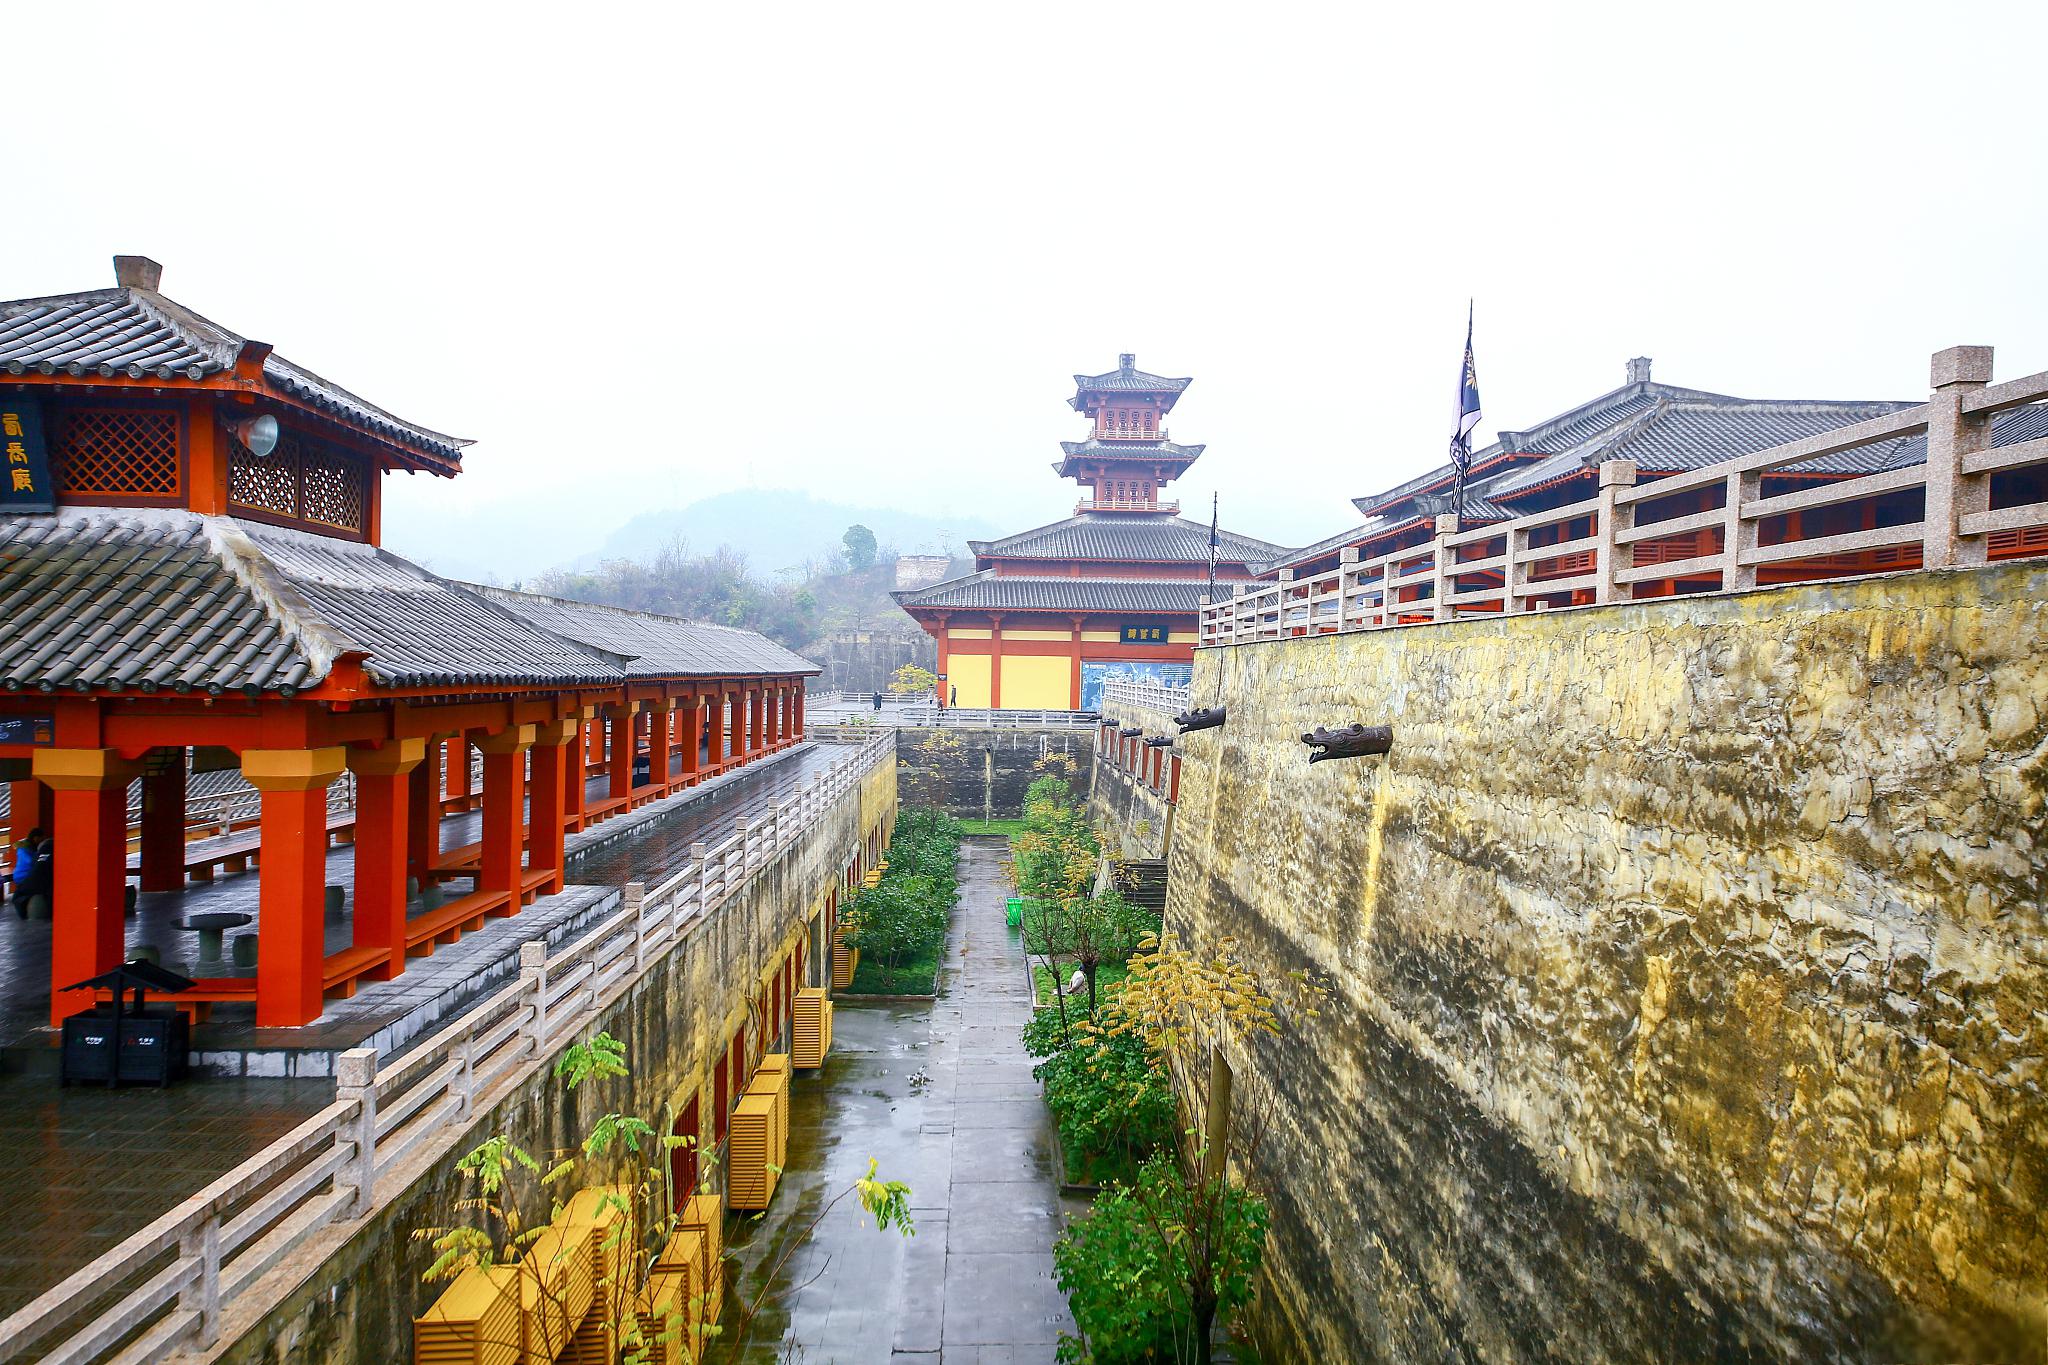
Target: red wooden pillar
point(659, 719)
point(163, 827)
point(455, 765)
point(780, 715)
point(504, 826)
point(796, 726)
point(995, 662)
point(693, 739)
point(724, 710)
point(28, 808)
point(621, 753)
point(555, 746)
point(750, 722)
point(89, 822)
point(291, 929)
point(423, 812)
point(383, 847)
point(575, 771)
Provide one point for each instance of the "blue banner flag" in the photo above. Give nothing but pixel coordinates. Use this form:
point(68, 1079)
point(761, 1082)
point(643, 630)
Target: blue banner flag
point(1464, 420)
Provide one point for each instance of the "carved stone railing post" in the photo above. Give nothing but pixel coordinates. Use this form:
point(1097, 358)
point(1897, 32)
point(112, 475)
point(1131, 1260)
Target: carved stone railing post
point(635, 902)
point(355, 1078)
point(701, 856)
point(533, 983)
point(201, 1295)
point(1443, 581)
point(1955, 373)
point(1611, 556)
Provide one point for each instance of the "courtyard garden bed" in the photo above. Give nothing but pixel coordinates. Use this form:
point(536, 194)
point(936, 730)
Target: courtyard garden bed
point(899, 924)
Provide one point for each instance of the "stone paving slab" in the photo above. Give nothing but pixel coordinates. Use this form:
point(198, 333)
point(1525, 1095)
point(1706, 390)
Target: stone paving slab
point(972, 1140)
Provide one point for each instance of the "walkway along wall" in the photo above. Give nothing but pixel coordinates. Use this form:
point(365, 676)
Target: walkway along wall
point(349, 1298)
point(1690, 988)
point(1131, 784)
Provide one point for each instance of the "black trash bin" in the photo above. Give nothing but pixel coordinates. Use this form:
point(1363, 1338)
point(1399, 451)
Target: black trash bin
point(118, 1042)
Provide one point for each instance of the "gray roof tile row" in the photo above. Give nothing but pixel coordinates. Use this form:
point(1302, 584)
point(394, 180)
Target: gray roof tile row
point(1013, 592)
point(143, 599)
point(1140, 537)
point(654, 645)
point(138, 333)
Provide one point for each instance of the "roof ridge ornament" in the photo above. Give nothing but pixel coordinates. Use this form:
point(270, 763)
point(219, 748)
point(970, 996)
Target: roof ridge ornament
point(138, 272)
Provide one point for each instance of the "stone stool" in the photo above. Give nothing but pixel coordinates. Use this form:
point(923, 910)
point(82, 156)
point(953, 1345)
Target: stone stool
point(412, 889)
point(336, 898)
point(244, 946)
point(128, 894)
point(430, 896)
point(146, 952)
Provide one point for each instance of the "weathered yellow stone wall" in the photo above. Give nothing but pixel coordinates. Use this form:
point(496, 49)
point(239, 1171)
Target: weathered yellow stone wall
point(1136, 818)
point(1690, 982)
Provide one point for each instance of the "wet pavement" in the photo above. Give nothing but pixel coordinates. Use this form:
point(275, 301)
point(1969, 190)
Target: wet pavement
point(973, 1141)
point(86, 1166)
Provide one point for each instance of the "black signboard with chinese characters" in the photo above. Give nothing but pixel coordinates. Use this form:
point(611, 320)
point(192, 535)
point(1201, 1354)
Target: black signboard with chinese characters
point(28, 730)
point(25, 486)
point(1144, 635)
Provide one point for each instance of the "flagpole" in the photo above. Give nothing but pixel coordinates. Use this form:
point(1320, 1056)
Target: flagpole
point(1213, 500)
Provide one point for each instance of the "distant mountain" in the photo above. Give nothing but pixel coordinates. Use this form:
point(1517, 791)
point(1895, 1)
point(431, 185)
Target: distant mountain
point(779, 529)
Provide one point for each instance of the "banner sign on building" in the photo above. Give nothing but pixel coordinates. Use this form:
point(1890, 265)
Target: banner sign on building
point(1144, 635)
point(40, 730)
point(25, 486)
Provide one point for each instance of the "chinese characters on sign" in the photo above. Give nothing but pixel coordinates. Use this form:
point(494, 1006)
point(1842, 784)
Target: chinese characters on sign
point(25, 487)
point(1144, 635)
point(40, 730)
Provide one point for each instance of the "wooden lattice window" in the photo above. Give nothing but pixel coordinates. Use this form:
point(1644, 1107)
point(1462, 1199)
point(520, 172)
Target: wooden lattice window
point(115, 453)
point(301, 479)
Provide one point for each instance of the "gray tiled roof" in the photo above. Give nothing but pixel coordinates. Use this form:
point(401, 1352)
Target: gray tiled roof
point(130, 599)
point(1016, 593)
point(1131, 380)
point(656, 646)
point(1143, 537)
point(1093, 448)
point(141, 334)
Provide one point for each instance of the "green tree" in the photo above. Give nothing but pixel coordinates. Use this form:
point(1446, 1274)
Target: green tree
point(911, 679)
point(860, 547)
point(1156, 1263)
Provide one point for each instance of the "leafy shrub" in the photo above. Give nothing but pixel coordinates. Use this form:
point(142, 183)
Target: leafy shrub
point(1109, 1098)
point(1156, 1263)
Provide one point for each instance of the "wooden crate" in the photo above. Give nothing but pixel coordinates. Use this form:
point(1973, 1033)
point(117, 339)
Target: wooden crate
point(774, 1085)
point(669, 1295)
point(749, 1153)
point(593, 1220)
point(475, 1321)
point(810, 1029)
point(594, 1342)
point(557, 1291)
point(705, 1214)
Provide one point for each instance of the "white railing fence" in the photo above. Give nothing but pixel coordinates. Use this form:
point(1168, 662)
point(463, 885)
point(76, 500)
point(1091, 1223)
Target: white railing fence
point(175, 1277)
point(927, 717)
point(1152, 696)
point(1599, 549)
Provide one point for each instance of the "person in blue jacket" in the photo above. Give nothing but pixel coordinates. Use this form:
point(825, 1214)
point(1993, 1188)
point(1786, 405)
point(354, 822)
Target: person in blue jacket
point(23, 876)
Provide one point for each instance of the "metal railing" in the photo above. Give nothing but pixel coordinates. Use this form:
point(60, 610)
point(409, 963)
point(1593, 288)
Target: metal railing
point(1151, 696)
point(927, 717)
point(1599, 550)
point(176, 1276)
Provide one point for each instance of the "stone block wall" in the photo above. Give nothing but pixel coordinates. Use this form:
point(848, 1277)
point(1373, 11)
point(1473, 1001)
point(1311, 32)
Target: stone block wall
point(967, 770)
point(1688, 969)
point(360, 1292)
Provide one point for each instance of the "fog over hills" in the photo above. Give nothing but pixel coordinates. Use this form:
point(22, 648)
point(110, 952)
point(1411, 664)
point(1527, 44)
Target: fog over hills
point(776, 529)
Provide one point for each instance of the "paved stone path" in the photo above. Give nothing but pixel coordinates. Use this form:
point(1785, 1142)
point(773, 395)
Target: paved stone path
point(974, 1286)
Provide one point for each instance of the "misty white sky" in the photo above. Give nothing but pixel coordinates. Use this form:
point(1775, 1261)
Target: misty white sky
point(860, 249)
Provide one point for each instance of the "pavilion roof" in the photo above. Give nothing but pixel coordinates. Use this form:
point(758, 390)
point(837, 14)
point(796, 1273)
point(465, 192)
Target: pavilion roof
point(142, 599)
point(1126, 378)
point(1015, 592)
point(654, 645)
point(1121, 536)
point(137, 333)
point(1151, 452)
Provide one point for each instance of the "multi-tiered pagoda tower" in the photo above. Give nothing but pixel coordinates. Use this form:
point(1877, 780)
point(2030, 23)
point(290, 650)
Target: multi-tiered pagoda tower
point(1114, 590)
